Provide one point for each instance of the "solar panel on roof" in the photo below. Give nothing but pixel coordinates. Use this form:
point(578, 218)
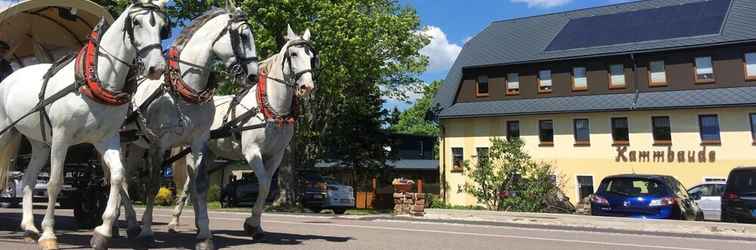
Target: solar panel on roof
point(693, 19)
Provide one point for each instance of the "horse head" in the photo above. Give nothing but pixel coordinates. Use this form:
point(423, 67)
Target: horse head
point(236, 46)
point(300, 61)
point(146, 25)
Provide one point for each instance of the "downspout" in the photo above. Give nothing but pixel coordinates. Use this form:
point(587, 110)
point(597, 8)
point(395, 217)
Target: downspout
point(635, 82)
point(442, 152)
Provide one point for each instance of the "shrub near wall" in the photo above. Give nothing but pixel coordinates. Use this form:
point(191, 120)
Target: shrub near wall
point(164, 197)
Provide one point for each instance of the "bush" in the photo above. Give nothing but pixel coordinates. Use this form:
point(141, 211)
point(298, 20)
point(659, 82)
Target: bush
point(164, 197)
point(213, 193)
point(506, 178)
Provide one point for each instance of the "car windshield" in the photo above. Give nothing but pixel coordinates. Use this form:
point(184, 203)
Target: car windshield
point(634, 187)
point(742, 182)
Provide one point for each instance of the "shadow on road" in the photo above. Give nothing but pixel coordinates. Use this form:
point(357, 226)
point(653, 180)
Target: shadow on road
point(274, 238)
point(69, 234)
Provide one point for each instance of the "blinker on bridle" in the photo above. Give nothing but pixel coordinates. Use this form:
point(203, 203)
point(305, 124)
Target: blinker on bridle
point(129, 30)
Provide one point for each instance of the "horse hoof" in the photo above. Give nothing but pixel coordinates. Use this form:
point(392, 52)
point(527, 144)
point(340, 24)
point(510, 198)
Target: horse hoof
point(172, 228)
point(147, 241)
point(49, 244)
point(99, 241)
point(31, 236)
point(206, 244)
point(133, 232)
point(257, 233)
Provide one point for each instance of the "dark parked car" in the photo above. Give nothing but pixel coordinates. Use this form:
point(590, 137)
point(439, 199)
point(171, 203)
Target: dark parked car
point(739, 198)
point(325, 193)
point(644, 196)
point(245, 191)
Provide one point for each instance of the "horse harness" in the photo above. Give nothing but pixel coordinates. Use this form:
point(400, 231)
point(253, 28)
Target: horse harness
point(86, 79)
point(174, 82)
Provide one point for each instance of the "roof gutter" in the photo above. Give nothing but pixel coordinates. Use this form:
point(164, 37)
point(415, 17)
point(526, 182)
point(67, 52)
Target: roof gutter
point(635, 82)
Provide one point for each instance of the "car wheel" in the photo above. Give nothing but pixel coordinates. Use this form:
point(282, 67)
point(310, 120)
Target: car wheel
point(10, 192)
point(339, 210)
point(315, 209)
point(88, 212)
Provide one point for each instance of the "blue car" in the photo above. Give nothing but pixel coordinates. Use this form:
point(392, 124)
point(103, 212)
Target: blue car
point(644, 196)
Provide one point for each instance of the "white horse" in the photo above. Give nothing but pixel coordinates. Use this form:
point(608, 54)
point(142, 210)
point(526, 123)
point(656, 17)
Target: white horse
point(92, 114)
point(179, 111)
point(284, 78)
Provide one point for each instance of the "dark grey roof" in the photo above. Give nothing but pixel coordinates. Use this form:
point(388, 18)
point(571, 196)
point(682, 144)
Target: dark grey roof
point(524, 40)
point(700, 98)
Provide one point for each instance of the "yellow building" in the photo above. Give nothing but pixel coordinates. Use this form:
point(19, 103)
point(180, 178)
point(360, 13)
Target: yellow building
point(594, 102)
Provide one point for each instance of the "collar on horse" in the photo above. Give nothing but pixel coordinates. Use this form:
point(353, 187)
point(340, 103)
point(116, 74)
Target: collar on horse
point(270, 114)
point(174, 79)
point(86, 73)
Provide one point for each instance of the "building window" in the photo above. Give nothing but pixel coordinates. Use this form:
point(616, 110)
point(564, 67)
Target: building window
point(482, 86)
point(546, 132)
point(620, 131)
point(704, 70)
point(709, 128)
point(457, 160)
point(753, 127)
point(579, 79)
point(482, 156)
point(544, 81)
point(585, 186)
point(617, 76)
point(750, 65)
point(513, 84)
point(582, 132)
point(662, 130)
point(657, 73)
point(513, 130)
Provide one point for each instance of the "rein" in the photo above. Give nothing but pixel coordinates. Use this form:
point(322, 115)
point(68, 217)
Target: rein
point(175, 81)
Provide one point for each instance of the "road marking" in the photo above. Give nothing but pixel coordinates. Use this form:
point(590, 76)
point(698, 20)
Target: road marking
point(471, 234)
point(457, 224)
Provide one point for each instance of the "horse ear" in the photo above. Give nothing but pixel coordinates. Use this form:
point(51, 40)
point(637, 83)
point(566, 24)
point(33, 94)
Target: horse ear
point(290, 33)
point(306, 35)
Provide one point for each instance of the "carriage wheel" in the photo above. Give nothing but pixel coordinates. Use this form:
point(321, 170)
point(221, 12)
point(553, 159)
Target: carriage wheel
point(88, 211)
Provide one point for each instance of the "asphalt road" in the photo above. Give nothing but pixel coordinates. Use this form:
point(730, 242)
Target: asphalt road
point(330, 232)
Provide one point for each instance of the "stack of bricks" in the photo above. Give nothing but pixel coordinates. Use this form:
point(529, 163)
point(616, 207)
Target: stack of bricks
point(409, 203)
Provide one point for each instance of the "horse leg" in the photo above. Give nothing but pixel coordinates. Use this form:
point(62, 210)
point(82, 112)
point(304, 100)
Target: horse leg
point(58, 152)
point(154, 158)
point(134, 162)
point(181, 201)
point(110, 149)
point(40, 154)
point(253, 224)
point(199, 188)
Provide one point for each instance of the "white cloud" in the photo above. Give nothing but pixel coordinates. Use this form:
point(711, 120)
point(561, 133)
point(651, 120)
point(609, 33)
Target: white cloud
point(440, 52)
point(543, 3)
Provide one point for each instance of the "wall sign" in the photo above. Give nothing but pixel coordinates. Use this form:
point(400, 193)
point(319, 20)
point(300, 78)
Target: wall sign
point(669, 155)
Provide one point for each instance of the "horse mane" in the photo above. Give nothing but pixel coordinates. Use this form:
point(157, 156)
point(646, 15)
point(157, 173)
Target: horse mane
point(196, 24)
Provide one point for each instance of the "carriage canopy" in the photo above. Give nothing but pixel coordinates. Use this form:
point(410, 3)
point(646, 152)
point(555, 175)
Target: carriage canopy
point(40, 31)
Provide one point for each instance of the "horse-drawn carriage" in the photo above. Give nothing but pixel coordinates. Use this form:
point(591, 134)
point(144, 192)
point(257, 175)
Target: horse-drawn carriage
point(43, 31)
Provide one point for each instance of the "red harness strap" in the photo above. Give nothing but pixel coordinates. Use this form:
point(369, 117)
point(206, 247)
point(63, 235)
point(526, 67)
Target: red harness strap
point(86, 72)
point(176, 83)
point(267, 110)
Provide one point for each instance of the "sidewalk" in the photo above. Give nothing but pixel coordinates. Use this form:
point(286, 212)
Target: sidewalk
point(586, 223)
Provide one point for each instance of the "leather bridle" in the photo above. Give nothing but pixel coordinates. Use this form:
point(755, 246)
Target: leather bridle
point(128, 29)
point(238, 68)
point(292, 78)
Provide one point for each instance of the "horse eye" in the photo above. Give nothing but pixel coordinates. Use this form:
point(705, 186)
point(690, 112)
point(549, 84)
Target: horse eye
point(294, 54)
point(137, 23)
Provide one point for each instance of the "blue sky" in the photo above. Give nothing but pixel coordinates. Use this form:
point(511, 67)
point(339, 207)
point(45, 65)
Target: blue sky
point(452, 22)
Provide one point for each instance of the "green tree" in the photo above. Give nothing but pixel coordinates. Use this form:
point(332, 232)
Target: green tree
point(507, 178)
point(413, 120)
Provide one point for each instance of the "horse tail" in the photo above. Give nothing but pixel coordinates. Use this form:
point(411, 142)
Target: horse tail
point(9, 143)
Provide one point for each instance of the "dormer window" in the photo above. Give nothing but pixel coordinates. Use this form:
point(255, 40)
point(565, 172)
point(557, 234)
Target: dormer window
point(544, 81)
point(617, 76)
point(579, 79)
point(513, 84)
point(657, 73)
point(704, 70)
point(482, 86)
point(750, 65)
